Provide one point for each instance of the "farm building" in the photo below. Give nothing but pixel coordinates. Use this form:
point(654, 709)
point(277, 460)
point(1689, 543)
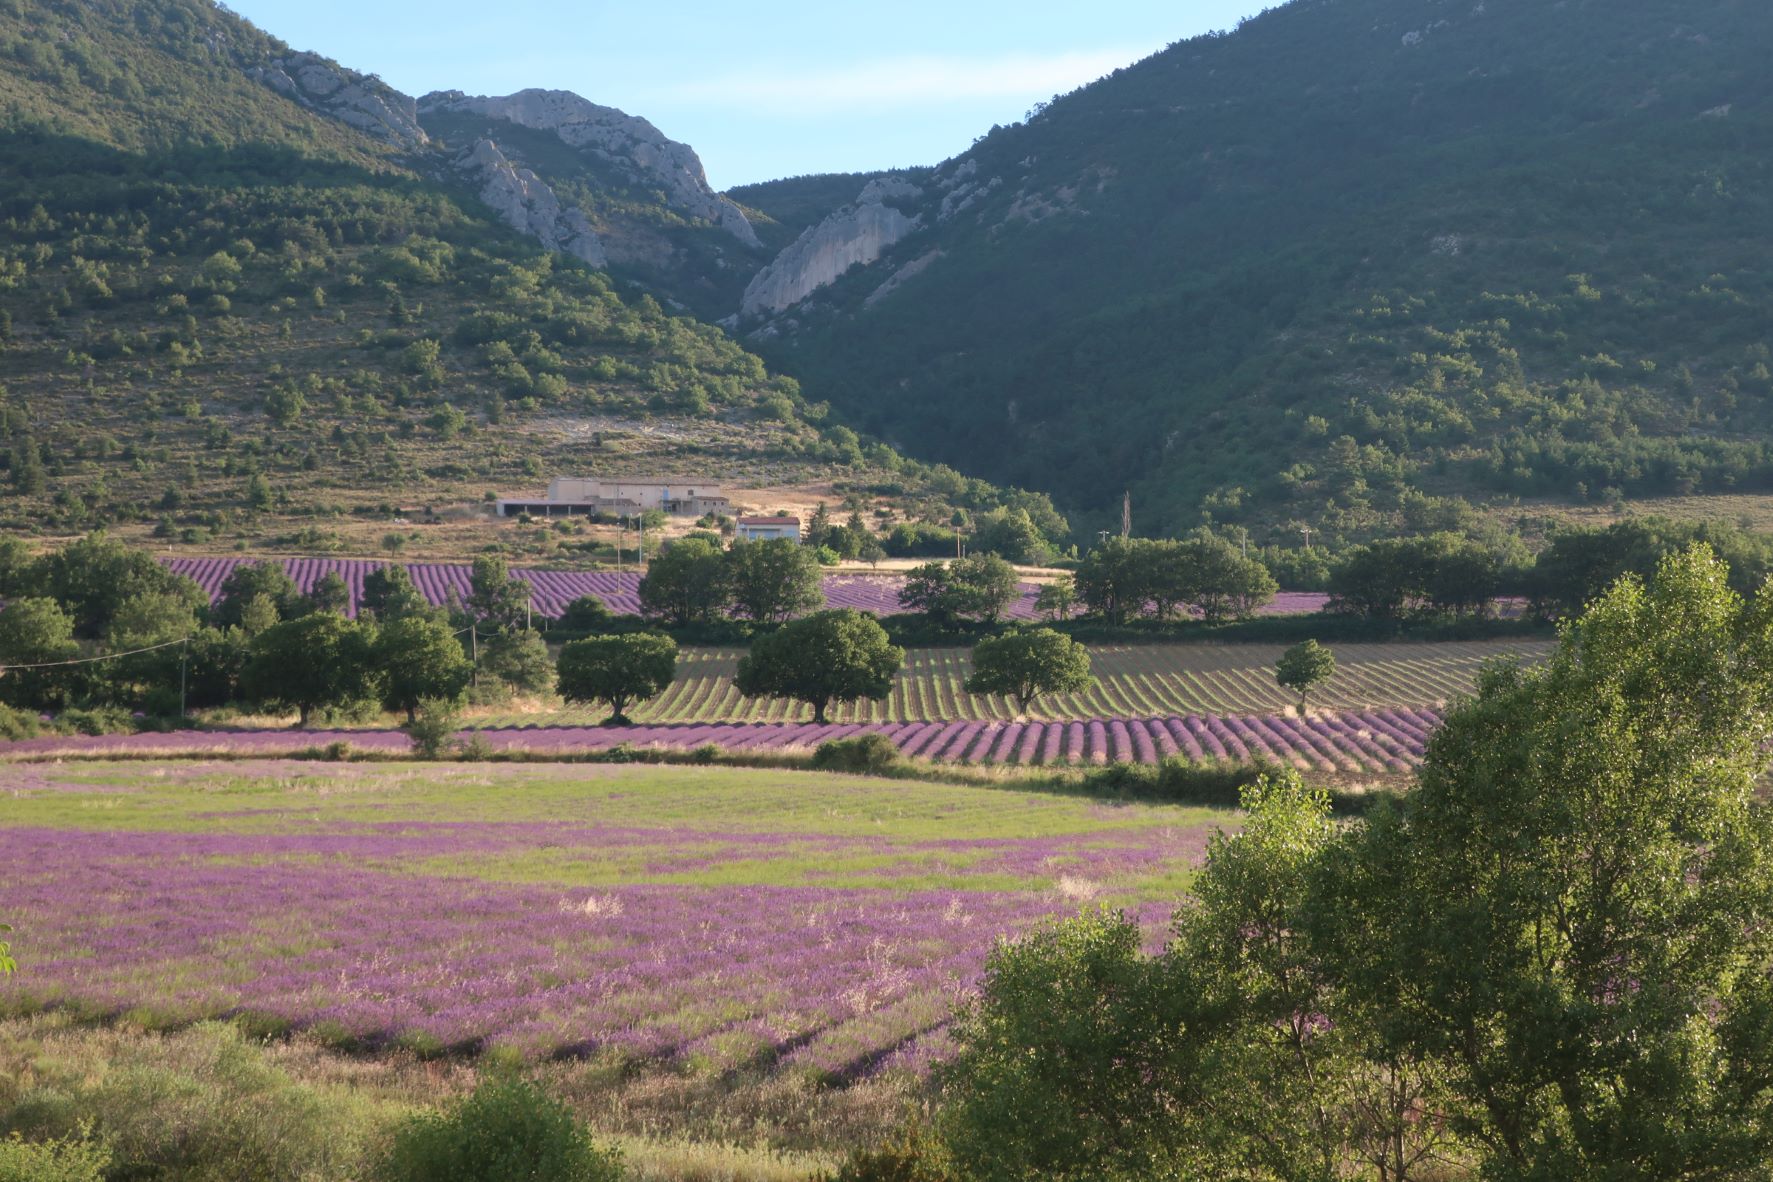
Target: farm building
point(760, 529)
point(567, 495)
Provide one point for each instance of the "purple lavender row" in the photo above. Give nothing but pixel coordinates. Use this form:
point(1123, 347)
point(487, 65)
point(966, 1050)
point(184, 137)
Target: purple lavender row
point(1386, 740)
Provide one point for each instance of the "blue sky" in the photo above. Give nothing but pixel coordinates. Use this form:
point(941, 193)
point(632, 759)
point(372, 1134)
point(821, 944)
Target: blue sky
point(760, 90)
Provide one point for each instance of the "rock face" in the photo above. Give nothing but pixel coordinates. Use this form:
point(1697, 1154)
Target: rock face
point(361, 100)
point(626, 141)
point(528, 204)
point(859, 233)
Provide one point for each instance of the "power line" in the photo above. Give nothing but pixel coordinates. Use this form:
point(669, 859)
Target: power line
point(90, 660)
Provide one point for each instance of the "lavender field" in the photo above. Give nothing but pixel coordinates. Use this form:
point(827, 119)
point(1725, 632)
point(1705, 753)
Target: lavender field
point(619, 590)
point(1354, 742)
point(690, 921)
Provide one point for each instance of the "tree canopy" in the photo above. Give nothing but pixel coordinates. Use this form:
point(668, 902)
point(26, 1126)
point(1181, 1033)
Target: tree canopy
point(617, 670)
point(829, 656)
point(1025, 664)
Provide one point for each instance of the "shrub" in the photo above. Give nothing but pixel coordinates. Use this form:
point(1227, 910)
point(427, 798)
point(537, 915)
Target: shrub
point(433, 728)
point(868, 754)
point(1179, 780)
point(507, 1130)
point(18, 724)
point(101, 720)
point(73, 1160)
point(910, 1159)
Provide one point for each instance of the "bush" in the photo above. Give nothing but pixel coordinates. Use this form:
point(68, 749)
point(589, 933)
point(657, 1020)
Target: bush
point(101, 720)
point(868, 754)
point(52, 1161)
point(434, 727)
point(910, 1159)
point(1179, 780)
point(507, 1130)
point(18, 724)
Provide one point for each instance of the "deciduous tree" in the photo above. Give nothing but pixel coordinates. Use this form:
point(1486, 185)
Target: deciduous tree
point(1027, 663)
point(617, 670)
point(830, 656)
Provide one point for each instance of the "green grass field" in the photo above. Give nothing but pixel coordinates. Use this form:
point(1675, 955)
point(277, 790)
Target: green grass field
point(1134, 681)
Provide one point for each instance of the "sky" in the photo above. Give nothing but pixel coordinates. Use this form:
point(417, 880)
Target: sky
point(761, 91)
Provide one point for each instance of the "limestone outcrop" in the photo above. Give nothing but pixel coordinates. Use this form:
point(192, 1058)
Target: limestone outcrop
point(361, 100)
point(528, 204)
point(626, 141)
point(857, 234)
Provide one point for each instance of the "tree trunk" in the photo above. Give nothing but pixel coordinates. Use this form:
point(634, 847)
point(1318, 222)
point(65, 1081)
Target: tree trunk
point(819, 712)
point(412, 715)
point(302, 721)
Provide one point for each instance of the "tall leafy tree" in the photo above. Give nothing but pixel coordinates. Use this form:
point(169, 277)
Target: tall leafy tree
point(1303, 668)
point(319, 661)
point(617, 670)
point(36, 631)
point(251, 580)
point(389, 593)
point(497, 599)
point(686, 583)
point(419, 657)
point(829, 656)
point(1025, 664)
point(773, 580)
point(1578, 898)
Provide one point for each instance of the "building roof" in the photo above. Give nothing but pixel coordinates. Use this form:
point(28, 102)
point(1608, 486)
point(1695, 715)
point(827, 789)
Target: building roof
point(769, 521)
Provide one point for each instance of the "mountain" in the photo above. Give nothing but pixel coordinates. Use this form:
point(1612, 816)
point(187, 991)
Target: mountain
point(1354, 264)
point(248, 294)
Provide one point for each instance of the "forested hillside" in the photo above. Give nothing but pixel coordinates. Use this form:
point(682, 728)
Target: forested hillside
point(1346, 260)
point(243, 316)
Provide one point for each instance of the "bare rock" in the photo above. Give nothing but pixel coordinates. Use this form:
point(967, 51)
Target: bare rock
point(361, 100)
point(855, 235)
point(626, 141)
point(526, 203)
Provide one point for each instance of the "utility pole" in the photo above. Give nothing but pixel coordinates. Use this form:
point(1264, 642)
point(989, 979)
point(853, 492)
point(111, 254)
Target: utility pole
point(1102, 536)
point(474, 649)
point(1306, 530)
point(184, 656)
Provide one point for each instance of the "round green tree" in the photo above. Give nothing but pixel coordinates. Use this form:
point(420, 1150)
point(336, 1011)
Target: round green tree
point(316, 662)
point(830, 656)
point(617, 670)
point(419, 657)
point(1025, 664)
point(1303, 668)
point(774, 579)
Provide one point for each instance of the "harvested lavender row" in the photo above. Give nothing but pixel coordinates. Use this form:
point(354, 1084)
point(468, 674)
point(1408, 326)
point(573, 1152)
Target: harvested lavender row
point(1371, 741)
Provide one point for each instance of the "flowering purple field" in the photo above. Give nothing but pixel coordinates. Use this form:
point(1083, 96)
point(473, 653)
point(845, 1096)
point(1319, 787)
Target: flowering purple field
point(705, 920)
point(619, 590)
point(1372, 741)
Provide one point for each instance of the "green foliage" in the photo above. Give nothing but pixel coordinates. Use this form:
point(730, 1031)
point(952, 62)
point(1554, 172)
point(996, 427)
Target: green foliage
point(497, 598)
point(1552, 960)
point(93, 576)
point(1126, 578)
point(36, 631)
point(979, 587)
point(1371, 307)
point(518, 661)
point(1580, 564)
point(248, 582)
point(1303, 668)
point(202, 1104)
point(618, 670)
point(506, 1131)
point(1441, 574)
point(389, 594)
point(772, 580)
point(1029, 662)
point(433, 726)
point(72, 1160)
point(869, 754)
point(829, 656)
point(685, 584)
point(1055, 600)
point(419, 658)
point(319, 661)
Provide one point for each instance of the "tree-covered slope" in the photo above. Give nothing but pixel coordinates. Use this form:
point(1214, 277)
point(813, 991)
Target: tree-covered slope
point(1354, 253)
point(240, 315)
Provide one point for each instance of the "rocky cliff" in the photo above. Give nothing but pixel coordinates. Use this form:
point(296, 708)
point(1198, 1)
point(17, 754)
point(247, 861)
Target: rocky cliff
point(361, 100)
point(527, 203)
point(855, 235)
point(626, 141)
